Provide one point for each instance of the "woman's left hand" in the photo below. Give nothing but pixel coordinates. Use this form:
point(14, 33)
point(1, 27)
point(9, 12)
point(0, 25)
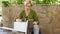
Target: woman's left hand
point(35, 22)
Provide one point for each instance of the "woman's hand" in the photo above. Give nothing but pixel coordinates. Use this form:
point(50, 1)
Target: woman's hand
point(35, 22)
point(18, 20)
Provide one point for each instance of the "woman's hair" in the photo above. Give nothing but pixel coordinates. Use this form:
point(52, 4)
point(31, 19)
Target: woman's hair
point(28, 2)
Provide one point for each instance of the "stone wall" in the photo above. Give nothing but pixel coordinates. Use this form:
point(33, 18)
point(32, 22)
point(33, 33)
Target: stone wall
point(49, 17)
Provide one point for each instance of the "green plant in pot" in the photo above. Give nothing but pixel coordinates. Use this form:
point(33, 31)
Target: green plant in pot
point(5, 3)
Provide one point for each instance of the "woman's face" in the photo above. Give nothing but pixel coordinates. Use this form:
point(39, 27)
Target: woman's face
point(27, 6)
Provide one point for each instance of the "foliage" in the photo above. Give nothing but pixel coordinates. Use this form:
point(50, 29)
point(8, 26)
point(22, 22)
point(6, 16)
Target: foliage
point(18, 2)
point(5, 3)
point(49, 1)
point(36, 1)
point(45, 2)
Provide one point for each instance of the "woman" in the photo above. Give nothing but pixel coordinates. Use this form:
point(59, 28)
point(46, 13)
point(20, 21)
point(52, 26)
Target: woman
point(31, 16)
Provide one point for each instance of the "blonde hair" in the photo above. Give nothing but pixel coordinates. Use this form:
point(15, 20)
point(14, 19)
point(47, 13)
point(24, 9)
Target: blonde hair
point(29, 1)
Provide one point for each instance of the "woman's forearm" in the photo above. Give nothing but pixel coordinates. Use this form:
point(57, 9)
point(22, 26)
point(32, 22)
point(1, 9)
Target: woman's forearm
point(18, 20)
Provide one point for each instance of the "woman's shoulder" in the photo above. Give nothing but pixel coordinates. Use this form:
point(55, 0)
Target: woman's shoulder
point(33, 11)
point(22, 11)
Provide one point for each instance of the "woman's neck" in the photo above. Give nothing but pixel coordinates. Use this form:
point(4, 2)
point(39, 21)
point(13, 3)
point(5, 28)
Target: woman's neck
point(27, 12)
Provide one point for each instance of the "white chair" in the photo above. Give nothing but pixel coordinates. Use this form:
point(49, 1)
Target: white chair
point(18, 26)
point(21, 26)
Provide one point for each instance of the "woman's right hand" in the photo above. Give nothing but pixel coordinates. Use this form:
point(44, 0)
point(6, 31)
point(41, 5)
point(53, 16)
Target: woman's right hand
point(18, 20)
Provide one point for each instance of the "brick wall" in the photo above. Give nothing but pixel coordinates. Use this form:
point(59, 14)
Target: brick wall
point(49, 16)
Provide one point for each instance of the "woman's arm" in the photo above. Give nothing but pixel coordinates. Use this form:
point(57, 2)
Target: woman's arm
point(19, 18)
point(36, 21)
